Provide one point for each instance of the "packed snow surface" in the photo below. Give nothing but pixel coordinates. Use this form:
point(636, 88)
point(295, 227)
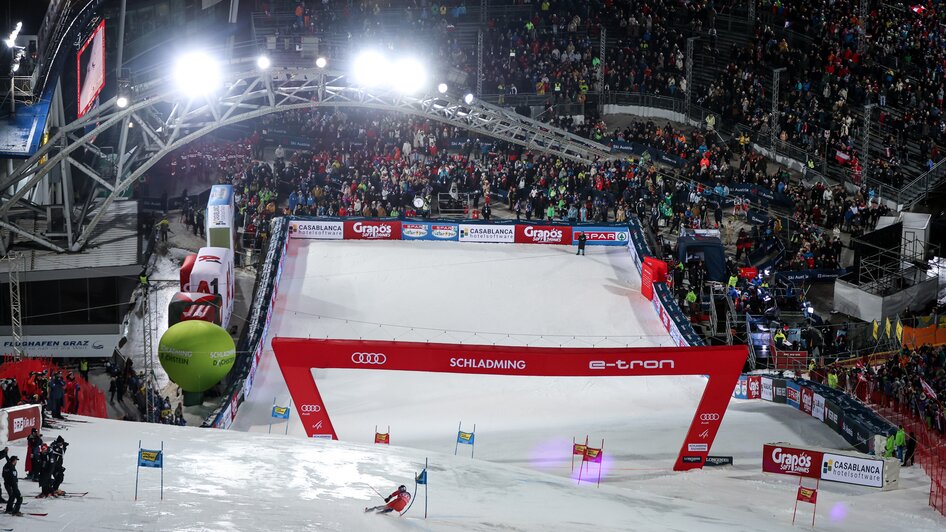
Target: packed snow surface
point(521, 476)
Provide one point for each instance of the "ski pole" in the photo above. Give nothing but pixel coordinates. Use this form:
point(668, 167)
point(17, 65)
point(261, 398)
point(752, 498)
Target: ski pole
point(376, 491)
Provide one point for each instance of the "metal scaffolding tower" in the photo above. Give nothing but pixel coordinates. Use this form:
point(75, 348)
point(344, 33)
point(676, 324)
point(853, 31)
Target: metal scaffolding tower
point(862, 11)
point(602, 49)
point(14, 265)
point(865, 141)
point(776, 78)
point(147, 331)
point(688, 73)
point(479, 63)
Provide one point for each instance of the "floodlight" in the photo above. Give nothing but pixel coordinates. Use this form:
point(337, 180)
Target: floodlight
point(321, 62)
point(370, 69)
point(409, 75)
point(263, 62)
point(122, 102)
point(442, 88)
point(11, 42)
point(197, 74)
point(468, 98)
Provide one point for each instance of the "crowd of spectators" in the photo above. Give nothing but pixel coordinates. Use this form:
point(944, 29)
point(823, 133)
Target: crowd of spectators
point(914, 379)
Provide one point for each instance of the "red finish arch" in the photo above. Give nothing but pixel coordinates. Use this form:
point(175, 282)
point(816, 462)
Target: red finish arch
point(722, 364)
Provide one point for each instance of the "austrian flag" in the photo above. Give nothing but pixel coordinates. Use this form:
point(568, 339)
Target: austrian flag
point(928, 389)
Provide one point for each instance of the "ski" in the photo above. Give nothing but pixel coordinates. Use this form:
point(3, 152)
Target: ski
point(75, 493)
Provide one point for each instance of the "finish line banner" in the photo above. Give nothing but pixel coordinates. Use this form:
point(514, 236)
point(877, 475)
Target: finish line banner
point(722, 364)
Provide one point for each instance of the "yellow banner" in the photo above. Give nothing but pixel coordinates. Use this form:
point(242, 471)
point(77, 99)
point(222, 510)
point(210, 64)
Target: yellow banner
point(887, 327)
point(876, 328)
point(899, 331)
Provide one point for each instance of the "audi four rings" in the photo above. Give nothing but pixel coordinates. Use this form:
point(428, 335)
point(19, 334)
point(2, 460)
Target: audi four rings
point(311, 408)
point(709, 417)
point(375, 359)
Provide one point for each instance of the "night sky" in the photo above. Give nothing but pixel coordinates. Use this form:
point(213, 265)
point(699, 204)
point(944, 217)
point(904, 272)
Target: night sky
point(30, 12)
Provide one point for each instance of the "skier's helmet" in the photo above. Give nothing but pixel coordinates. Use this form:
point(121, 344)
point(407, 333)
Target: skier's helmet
point(402, 487)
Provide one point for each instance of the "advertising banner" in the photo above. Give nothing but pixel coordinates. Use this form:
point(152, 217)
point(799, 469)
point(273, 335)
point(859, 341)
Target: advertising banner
point(316, 230)
point(786, 460)
point(220, 209)
point(372, 230)
point(65, 345)
point(755, 387)
point(833, 416)
point(807, 400)
point(713, 461)
point(741, 388)
point(602, 236)
point(298, 356)
point(817, 407)
point(779, 391)
point(499, 234)
point(20, 421)
point(792, 394)
point(213, 274)
point(853, 470)
point(767, 391)
point(186, 306)
point(543, 234)
point(430, 231)
point(90, 70)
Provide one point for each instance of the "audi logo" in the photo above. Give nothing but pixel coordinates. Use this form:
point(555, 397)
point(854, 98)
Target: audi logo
point(375, 359)
point(311, 408)
point(709, 417)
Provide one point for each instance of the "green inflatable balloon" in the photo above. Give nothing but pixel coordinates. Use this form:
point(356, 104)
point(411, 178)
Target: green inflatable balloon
point(196, 354)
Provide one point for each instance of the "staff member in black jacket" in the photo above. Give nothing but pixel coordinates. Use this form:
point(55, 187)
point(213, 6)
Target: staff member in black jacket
point(582, 238)
point(10, 482)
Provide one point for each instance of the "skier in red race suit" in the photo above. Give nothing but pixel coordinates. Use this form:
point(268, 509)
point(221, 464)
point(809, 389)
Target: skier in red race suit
point(72, 395)
point(396, 502)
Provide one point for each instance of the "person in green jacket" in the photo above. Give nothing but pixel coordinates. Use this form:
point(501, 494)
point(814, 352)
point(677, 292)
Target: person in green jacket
point(900, 441)
point(889, 449)
point(691, 301)
point(832, 380)
point(550, 212)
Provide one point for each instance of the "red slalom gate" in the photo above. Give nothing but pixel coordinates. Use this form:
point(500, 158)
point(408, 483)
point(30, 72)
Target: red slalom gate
point(722, 364)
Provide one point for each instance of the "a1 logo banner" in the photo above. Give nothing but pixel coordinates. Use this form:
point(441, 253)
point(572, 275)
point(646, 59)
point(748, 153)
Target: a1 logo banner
point(280, 412)
point(465, 437)
point(579, 449)
point(150, 458)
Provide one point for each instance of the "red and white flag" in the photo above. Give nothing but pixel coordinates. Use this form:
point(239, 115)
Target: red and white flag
point(928, 389)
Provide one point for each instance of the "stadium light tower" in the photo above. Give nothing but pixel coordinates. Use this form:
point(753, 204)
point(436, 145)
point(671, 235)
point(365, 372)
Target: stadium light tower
point(468, 99)
point(370, 69)
point(122, 102)
point(409, 76)
point(197, 74)
point(11, 42)
point(442, 88)
point(321, 62)
point(263, 62)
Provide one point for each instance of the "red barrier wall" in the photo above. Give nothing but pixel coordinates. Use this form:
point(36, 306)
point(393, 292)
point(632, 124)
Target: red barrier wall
point(722, 364)
point(91, 399)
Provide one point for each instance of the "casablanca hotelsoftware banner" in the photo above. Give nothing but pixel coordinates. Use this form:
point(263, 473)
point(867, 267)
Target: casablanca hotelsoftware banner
point(90, 69)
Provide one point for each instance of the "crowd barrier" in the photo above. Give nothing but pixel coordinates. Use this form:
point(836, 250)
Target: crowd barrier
point(856, 423)
point(251, 344)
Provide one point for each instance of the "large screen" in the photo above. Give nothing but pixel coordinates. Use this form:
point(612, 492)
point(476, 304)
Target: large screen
point(90, 69)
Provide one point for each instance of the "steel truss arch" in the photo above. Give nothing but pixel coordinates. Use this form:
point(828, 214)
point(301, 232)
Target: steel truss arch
point(161, 121)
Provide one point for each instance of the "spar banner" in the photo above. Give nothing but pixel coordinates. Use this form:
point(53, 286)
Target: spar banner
point(754, 390)
point(767, 391)
point(497, 234)
point(779, 391)
point(786, 460)
point(602, 236)
point(853, 470)
point(741, 388)
point(833, 416)
point(372, 230)
point(721, 364)
point(807, 400)
point(817, 407)
point(793, 394)
point(443, 231)
point(543, 234)
point(316, 230)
